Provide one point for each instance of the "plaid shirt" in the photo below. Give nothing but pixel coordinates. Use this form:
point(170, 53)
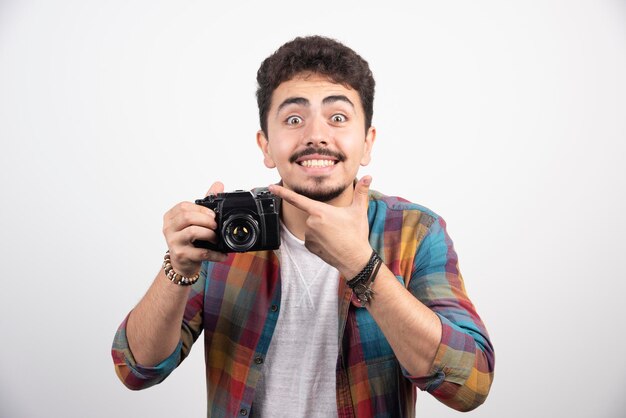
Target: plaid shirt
point(236, 303)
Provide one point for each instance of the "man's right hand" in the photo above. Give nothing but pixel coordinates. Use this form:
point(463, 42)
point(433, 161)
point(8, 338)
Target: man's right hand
point(185, 223)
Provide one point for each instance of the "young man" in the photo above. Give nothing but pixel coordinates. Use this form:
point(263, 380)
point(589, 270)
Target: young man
point(362, 303)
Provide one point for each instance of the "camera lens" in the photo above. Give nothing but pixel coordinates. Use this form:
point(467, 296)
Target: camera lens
point(240, 232)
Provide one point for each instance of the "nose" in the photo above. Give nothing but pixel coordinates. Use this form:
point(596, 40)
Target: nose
point(318, 133)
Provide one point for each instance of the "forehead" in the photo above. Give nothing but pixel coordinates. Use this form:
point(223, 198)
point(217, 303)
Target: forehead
point(315, 88)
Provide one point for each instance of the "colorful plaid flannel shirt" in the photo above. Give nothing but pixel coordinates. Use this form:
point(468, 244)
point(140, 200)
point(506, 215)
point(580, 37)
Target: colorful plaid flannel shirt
point(237, 303)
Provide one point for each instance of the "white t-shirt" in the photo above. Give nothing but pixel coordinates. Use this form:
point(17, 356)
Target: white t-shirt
point(299, 369)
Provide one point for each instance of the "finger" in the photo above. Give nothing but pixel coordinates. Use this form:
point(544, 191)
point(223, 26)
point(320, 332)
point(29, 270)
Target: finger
point(301, 202)
point(182, 242)
point(216, 256)
point(217, 187)
point(361, 192)
point(184, 207)
point(201, 254)
point(183, 219)
point(195, 255)
point(195, 233)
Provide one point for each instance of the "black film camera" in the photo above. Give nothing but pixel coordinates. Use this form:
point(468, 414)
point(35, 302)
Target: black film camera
point(246, 221)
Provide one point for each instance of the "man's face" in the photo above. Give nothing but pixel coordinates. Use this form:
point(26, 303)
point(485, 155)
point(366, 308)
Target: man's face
point(316, 137)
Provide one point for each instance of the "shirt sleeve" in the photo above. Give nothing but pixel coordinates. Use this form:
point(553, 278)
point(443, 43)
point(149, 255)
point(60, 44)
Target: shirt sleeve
point(136, 376)
point(463, 367)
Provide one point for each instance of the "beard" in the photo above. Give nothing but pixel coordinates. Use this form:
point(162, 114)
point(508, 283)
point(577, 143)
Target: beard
point(320, 193)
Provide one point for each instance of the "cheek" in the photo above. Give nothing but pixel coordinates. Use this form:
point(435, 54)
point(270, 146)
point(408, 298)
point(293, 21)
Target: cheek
point(355, 147)
point(358, 152)
point(281, 150)
point(277, 156)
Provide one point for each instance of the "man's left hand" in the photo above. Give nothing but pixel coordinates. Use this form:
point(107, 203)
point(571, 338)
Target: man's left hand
point(338, 235)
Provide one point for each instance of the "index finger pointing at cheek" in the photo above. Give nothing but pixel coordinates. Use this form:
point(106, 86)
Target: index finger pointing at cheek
point(301, 202)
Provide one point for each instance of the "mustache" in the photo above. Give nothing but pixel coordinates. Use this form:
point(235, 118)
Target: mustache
point(320, 151)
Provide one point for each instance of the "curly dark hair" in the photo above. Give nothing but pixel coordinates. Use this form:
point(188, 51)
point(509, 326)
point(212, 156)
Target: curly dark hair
point(319, 55)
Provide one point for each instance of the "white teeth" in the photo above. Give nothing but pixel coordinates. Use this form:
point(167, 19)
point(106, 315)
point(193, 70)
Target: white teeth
point(317, 163)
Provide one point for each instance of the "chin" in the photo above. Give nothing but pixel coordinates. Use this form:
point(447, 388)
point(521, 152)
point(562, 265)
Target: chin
point(321, 193)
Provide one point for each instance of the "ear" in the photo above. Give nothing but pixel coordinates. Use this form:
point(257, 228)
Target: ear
point(370, 137)
point(264, 146)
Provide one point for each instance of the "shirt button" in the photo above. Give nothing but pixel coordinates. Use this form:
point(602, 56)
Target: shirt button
point(258, 360)
point(243, 412)
point(274, 308)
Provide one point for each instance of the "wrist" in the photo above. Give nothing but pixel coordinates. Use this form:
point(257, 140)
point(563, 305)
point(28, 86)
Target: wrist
point(176, 277)
point(356, 263)
point(361, 284)
point(183, 265)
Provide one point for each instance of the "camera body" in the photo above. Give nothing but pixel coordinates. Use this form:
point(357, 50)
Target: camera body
point(246, 221)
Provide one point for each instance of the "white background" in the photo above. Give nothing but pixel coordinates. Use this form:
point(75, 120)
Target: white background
point(512, 115)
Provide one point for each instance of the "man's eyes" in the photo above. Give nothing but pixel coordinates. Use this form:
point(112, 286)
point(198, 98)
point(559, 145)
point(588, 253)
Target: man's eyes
point(297, 120)
point(294, 120)
point(339, 118)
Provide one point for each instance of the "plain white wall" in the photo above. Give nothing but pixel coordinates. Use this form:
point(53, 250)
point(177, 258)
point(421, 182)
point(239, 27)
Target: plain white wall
point(511, 113)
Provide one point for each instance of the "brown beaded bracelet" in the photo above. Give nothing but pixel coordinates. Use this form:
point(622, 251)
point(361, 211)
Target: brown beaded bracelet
point(175, 277)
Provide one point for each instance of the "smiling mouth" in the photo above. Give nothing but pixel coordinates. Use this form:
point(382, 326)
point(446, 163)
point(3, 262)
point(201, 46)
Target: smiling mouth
point(317, 158)
point(316, 163)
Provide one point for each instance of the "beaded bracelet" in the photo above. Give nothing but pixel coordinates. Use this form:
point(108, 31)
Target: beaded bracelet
point(175, 277)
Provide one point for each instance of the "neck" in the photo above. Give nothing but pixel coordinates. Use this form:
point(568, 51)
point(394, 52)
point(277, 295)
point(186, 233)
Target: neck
point(294, 220)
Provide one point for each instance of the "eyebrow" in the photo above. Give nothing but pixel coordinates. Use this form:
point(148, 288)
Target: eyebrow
point(305, 102)
point(293, 100)
point(337, 98)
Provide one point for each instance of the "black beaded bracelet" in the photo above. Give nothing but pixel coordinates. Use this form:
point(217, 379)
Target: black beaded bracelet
point(362, 282)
